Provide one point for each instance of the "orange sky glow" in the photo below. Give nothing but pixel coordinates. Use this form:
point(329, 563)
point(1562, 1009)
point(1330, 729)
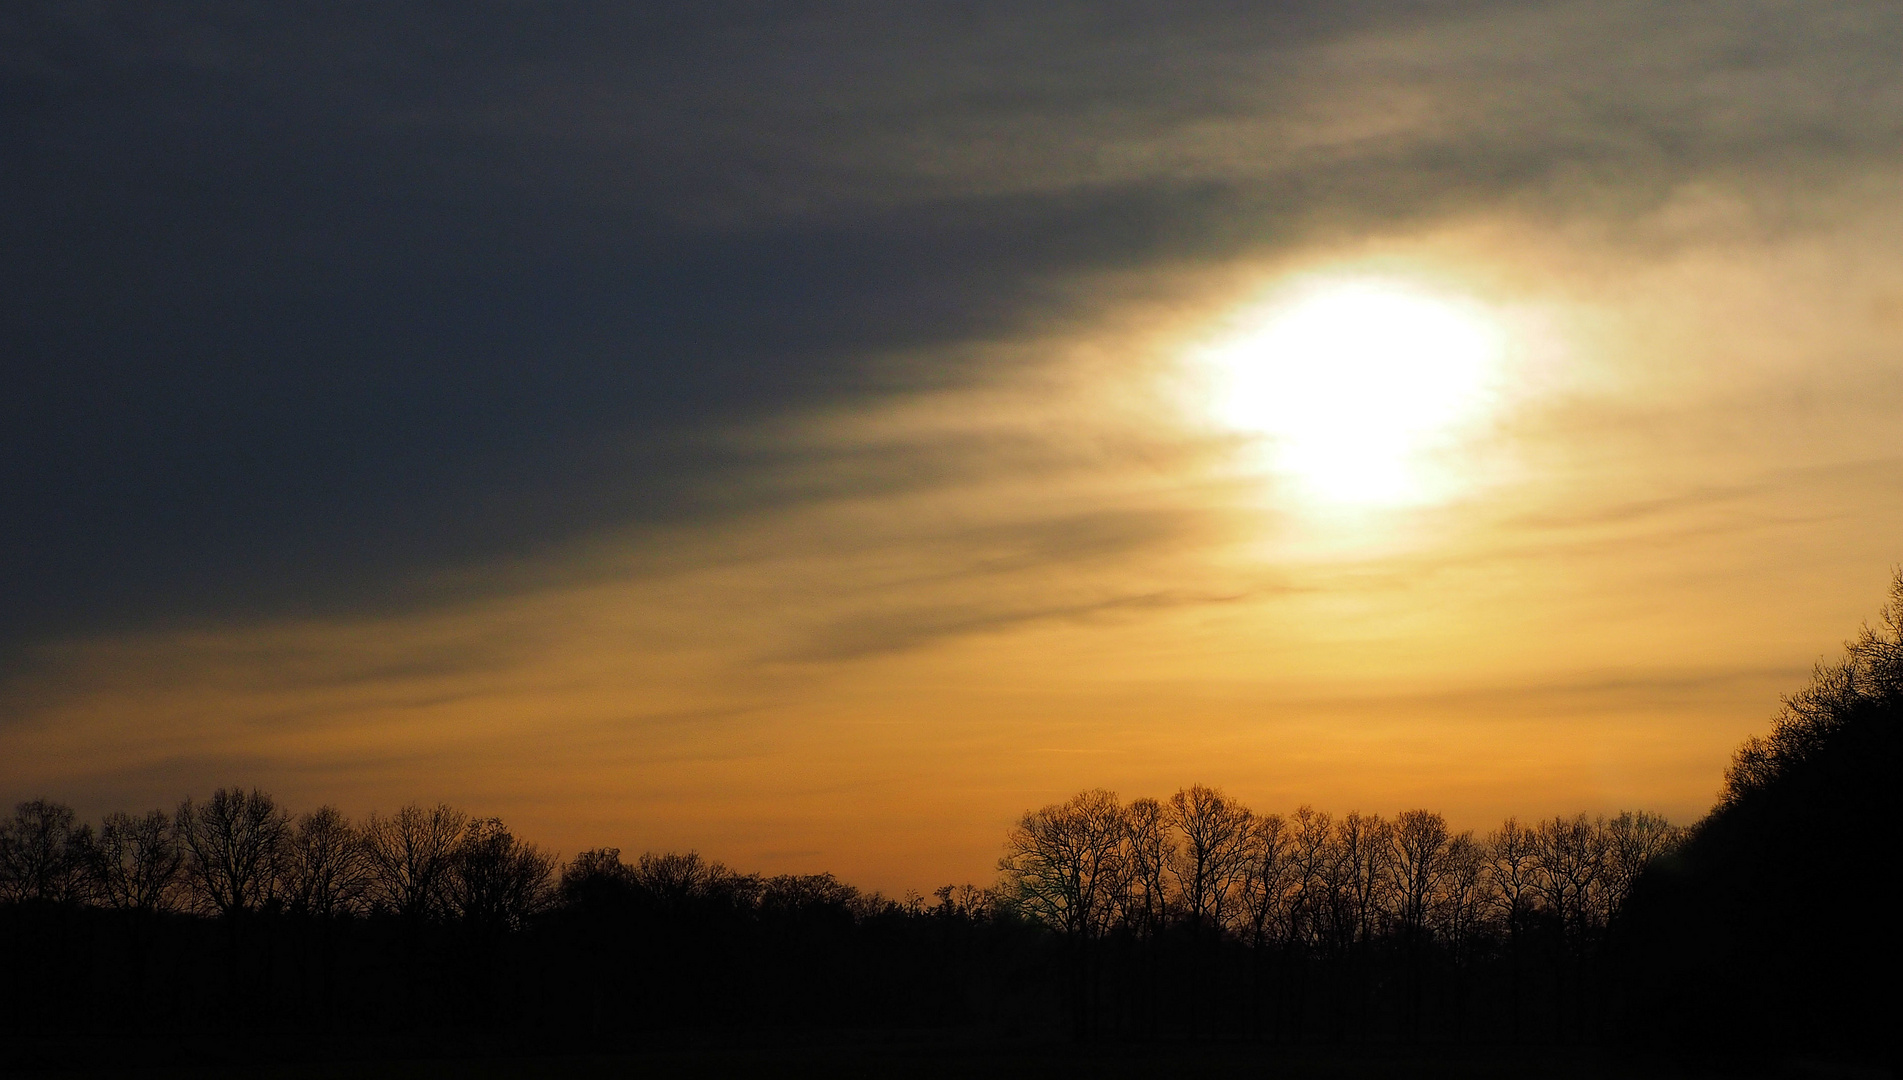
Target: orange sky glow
point(1631, 470)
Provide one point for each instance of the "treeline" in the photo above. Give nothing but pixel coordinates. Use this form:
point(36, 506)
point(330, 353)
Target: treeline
point(1190, 916)
point(1765, 925)
point(239, 853)
point(233, 918)
point(1353, 928)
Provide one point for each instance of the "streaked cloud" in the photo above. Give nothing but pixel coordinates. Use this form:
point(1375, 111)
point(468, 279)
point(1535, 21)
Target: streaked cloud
point(778, 431)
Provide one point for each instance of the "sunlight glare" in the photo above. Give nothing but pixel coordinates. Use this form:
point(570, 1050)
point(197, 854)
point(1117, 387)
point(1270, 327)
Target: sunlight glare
point(1355, 383)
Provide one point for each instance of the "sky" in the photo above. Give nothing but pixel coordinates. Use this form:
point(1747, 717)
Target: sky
point(814, 434)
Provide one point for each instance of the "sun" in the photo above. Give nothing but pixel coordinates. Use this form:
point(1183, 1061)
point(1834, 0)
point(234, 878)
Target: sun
point(1355, 385)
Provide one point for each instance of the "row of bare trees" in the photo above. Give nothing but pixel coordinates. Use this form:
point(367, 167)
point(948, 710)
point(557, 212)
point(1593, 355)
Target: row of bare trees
point(239, 852)
point(1202, 860)
point(672, 883)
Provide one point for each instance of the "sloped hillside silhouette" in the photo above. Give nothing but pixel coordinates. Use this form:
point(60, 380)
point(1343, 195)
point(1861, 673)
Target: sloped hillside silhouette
point(1775, 924)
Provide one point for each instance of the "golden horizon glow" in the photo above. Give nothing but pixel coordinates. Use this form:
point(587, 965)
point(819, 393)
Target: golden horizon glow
point(988, 597)
point(1356, 383)
point(818, 455)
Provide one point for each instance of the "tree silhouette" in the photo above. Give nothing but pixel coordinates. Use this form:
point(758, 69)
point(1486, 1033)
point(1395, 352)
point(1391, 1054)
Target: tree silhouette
point(1633, 842)
point(1419, 862)
point(1213, 857)
point(1150, 852)
point(1065, 867)
point(1269, 880)
point(1311, 848)
point(1359, 876)
point(1569, 860)
point(43, 853)
point(1193, 917)
point(1512, 869)
point(1064, 864)
point(498, 881)
point(235, 847)
point(136, 861)
point(326, 867)
point(1418, 865)
point(409, 857)
point(597, 880)
point(1768, 924)
point(1460, 906)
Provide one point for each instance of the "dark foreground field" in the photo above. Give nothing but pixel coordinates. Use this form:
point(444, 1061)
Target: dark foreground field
point(904, 1055)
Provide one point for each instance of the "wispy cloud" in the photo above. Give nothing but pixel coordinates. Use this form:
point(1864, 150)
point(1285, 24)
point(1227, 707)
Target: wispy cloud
point(776, 430)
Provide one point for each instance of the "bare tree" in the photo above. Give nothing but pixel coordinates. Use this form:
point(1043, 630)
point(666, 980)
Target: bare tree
point(498, 881)
point(794, 893)
point(408, 856)
point(234, 846)
point(43, 853)
point(672, 876)
point(1418, 845)
point(136, 861)
point(975, 901)
point(596, 878)
point(1460, 906)
point(327, 869)
point(678, 880)
point(1311, 853)
point(1359, 880)
point(1569, 864)
point(1569, 860)
point(1633, 842)
point(1270, 877)
point(1064, 864)
point(1213, 857)
point(1150, 850)
point(968, 902)
point(1417, 864)
point(1513, 868)
point(1870, 673)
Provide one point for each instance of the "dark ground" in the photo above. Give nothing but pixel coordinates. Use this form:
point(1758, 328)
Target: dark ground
point(933, 1054)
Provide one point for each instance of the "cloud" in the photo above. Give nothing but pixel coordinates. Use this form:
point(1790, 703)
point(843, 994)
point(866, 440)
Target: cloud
point(746, 411)
point(311, 304)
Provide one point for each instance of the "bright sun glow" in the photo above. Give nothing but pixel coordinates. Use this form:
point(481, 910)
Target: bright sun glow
point(1356, 383)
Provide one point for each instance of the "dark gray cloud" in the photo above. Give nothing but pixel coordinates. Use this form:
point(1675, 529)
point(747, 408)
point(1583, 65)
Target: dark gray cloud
point(301, 302)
